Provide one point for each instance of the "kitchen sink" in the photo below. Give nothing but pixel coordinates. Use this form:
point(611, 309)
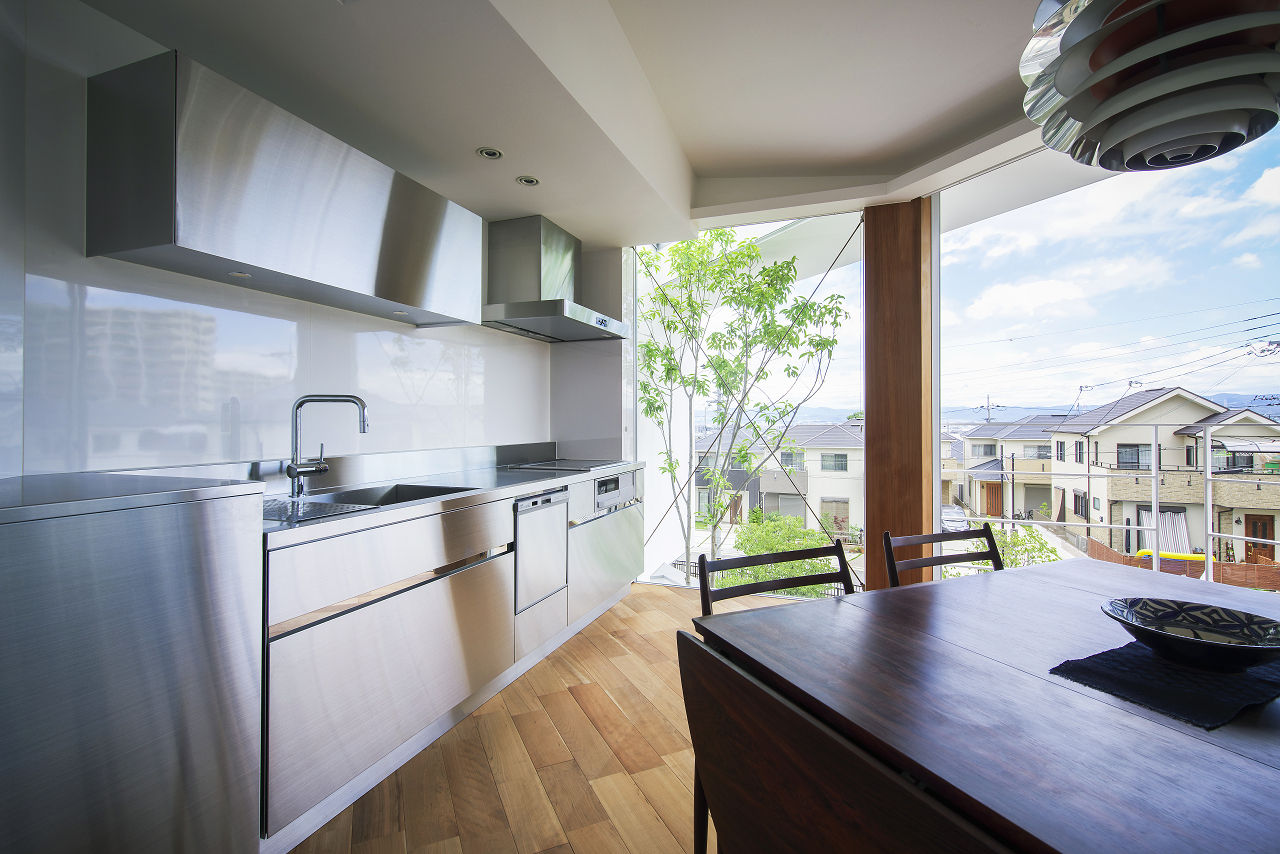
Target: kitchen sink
point(381, 496)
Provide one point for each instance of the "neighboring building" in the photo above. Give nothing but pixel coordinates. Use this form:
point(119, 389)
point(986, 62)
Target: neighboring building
point(1069, 466)
point(951, 452)
point(822, 467)
point(1008, 467)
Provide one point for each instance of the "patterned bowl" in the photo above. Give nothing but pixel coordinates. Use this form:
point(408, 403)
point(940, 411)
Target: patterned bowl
point(1206, 636)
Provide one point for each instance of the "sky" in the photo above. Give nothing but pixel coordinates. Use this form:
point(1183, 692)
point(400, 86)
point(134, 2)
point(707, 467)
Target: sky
point(1138, 281)
point(1159, 278)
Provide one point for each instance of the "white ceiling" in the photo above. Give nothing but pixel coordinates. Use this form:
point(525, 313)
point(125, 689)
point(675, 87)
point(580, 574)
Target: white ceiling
point(643, 119)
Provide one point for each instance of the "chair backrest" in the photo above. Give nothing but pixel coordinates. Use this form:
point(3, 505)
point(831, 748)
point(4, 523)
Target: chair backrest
point(708, 568)
point(896, 566)
point(776, 779)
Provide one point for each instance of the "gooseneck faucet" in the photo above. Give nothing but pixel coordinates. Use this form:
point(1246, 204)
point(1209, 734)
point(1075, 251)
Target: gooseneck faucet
point(297, 469)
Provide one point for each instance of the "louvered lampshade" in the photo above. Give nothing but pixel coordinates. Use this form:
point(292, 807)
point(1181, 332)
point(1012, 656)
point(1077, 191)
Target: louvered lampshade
point(1130, 85)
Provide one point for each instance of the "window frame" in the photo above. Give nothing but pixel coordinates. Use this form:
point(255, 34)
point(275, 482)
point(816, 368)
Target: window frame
point(1079, 452)
point(974, 446)
point(1060, 451)
point(837, 462)
point(1136, 463)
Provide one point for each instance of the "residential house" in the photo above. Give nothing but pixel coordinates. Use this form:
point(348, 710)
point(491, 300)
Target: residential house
point(1166, 426)
point(1066, 467)
point(818, 473)
point(1008, 467)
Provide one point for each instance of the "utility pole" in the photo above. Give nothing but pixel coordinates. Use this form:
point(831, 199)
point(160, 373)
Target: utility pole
point(988, 408)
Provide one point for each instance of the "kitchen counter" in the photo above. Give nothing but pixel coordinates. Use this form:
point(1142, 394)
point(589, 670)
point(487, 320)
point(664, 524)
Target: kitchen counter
point(483, 485)
point(46, 496)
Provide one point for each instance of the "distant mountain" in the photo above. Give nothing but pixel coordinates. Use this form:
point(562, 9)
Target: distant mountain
point(1267, 404)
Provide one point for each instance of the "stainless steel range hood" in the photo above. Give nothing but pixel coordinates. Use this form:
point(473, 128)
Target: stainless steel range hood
point(192, 173)
point(535, 273)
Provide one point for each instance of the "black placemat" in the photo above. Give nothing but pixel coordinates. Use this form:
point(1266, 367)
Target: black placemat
point(1201, 697)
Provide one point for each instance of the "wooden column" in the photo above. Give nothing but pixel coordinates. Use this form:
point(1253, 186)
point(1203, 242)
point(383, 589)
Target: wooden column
point(899, 369)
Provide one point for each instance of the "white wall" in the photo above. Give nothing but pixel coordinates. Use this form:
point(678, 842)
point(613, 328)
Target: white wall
point(126, 366)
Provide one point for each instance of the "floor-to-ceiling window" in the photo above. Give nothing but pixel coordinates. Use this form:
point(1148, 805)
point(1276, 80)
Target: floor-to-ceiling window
point(1110, 363)
point(750, 402)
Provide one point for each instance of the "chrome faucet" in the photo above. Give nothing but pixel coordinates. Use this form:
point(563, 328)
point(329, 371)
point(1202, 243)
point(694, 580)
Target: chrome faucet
point(297, 469)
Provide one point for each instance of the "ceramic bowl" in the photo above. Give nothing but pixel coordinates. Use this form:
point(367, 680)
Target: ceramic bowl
point(1206, 636)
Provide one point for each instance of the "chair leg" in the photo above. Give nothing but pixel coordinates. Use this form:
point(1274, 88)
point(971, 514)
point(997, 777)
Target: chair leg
point(699, 815)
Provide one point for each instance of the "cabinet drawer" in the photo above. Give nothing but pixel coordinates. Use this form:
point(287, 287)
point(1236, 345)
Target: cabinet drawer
point(344, 693)
point(604, 554)
point(302, 578)
point(538, 623)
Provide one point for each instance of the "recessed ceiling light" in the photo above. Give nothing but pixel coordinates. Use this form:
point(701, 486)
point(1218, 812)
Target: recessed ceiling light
point(399, 313)
point(240, 274)
point(528, 181)
point(488, 152)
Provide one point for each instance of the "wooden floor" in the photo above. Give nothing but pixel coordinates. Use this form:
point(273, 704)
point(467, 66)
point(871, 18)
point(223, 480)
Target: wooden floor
point(587, 752)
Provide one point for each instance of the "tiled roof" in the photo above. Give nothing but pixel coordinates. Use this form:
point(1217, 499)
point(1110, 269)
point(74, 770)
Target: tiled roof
point(1108, 412)
point(990, 470)
point(1031, 427)
point(1216, 418)
point(835, 436)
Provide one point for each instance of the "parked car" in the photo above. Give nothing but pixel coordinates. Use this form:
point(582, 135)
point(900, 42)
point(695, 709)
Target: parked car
point(954, 519)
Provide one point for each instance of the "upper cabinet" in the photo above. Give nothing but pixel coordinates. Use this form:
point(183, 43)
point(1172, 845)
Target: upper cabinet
point(192, 173)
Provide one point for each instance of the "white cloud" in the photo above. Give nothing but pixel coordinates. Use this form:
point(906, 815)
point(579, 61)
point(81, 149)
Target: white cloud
point(1261, 229)
point(1265, 190)
point(1070, 294)
point(1248, 260)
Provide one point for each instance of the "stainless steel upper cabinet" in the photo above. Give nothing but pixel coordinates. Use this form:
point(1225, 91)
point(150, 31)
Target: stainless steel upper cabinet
point(190, 172)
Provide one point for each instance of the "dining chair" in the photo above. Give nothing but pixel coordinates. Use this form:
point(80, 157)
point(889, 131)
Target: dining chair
point(991, 553)
point(710, 595)
point(778, 780)
point(707, 568)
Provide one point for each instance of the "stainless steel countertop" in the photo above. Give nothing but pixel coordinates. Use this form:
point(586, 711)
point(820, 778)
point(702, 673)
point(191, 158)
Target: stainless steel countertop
point(45, 496)
point(484, 484)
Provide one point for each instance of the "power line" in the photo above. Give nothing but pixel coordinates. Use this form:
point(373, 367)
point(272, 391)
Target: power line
point(1107, 325)
point(1074, 361)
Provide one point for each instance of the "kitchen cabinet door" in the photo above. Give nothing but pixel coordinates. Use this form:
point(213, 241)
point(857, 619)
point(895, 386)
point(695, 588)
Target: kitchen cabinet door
point(344, 693)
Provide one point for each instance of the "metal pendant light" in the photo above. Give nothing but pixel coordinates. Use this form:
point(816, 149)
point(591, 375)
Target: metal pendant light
point(1130, 85)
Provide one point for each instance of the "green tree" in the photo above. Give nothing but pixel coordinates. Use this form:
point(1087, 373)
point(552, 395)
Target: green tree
point(719, 323)
point(1022, 545)
point(778, 533)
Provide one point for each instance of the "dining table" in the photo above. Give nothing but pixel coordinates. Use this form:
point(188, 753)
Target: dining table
point(948, 684)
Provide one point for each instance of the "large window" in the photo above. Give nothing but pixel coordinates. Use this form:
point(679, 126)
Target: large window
point(1121, 313)
point(1133, 456)
point(1037, 452)
point(749, 338)
point(984, 450)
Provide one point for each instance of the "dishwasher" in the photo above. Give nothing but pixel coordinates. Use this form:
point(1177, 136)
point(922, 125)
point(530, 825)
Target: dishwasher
point(542, 552)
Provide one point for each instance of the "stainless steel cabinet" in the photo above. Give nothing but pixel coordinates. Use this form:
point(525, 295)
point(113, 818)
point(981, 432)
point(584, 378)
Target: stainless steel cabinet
point(130, 672)
point(306, 577)
point(344, 693)
point(604, 554)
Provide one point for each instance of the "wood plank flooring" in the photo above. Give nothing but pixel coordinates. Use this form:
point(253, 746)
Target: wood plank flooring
point(587, 752)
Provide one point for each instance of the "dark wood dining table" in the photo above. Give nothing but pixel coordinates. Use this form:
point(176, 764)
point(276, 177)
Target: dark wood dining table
point(949, 683)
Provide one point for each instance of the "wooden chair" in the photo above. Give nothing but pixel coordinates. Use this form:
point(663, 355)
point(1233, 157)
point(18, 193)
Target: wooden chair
point(991, 553)
point(706, 568)
point(779, 780)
